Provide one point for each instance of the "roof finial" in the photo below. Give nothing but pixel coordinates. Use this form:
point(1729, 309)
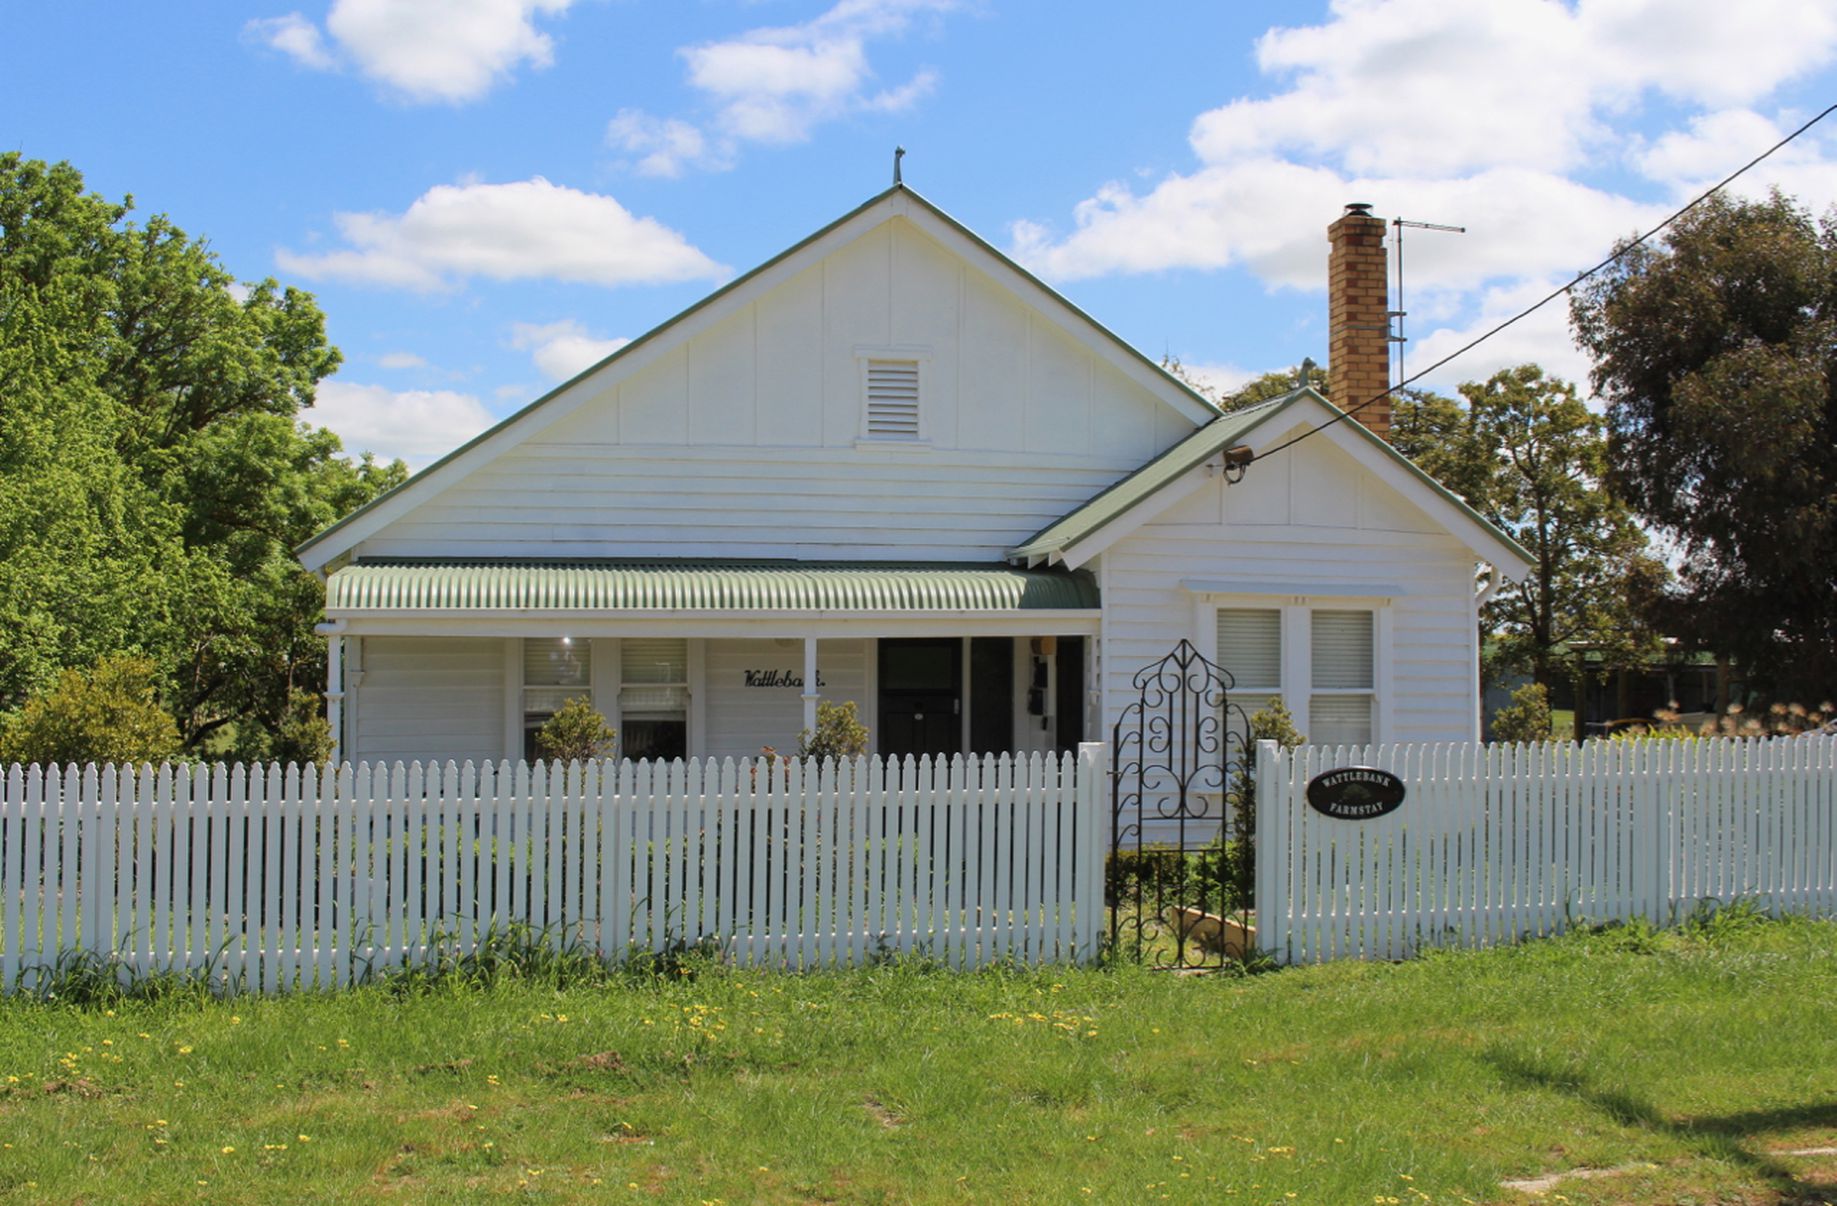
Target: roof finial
point(898, 154)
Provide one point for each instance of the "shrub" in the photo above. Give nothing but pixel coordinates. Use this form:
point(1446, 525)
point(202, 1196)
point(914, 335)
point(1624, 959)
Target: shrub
point(107, 714)
point(1232, 857)
point(1526, 718)
point(303, 734)
point(839, 733)
point(576, 733)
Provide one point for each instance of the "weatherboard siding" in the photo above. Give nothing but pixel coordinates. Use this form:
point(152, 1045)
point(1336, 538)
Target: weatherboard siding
point(429, 698)
point(1309, 518)
point(746, 440)
point(743, 718)
point(615, 500)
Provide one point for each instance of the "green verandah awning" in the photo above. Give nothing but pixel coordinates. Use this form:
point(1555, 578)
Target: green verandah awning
point(476, 587)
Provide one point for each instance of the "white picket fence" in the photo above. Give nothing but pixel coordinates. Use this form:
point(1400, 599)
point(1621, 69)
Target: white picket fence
point(269, 878)
point(1499, 842)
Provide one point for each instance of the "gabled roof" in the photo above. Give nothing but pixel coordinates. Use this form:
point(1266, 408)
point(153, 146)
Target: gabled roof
point(896, 201)
point(1080, 531)
point(1123, 496)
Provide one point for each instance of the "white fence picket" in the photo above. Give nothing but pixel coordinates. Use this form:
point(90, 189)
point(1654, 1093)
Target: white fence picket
point(277, 879)
point(1498, 842)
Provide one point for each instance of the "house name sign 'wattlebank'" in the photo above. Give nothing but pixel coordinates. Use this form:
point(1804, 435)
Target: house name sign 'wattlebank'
point(1355, 793)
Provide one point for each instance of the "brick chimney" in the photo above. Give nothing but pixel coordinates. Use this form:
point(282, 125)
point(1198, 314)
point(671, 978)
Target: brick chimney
point(1358, 317)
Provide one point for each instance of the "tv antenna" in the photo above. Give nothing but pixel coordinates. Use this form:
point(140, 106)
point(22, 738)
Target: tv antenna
point(1400, 223)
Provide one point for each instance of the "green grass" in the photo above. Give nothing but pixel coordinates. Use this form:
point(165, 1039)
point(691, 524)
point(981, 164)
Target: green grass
point(1699, 1053)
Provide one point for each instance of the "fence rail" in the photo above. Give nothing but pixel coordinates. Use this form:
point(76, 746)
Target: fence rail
point(1499, 842)
point(270, 878)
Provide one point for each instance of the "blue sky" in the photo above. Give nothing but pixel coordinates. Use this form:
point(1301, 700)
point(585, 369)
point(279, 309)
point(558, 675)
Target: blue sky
point(486, 195)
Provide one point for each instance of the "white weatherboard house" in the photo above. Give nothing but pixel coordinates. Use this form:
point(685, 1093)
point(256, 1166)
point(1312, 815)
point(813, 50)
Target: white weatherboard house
point(890, 466)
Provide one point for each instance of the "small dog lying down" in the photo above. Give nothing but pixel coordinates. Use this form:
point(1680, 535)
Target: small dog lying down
point(1210, 932)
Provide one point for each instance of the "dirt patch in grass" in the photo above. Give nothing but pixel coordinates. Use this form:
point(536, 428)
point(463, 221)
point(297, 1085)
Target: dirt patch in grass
point(881, 1113)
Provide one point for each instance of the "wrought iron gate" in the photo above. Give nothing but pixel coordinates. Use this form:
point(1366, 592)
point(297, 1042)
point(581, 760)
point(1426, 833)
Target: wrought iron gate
point(1182, 826)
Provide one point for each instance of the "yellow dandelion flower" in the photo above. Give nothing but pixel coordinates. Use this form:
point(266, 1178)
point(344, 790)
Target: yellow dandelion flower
point(226, 1149)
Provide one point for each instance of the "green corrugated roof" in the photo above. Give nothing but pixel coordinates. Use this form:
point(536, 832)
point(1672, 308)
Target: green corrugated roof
point(1221, 433)
point(475, 586)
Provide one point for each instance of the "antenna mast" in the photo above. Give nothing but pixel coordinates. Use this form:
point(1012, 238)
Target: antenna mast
point(1399, 223)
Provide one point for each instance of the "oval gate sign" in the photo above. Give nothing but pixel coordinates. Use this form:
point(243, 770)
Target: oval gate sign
point(1355, 793)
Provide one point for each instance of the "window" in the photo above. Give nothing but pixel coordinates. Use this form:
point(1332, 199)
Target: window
point(555, 670)
point(654, 697)
point(1250, 650)
point(893, 400)
point(1343, 678)
point(1323, 662)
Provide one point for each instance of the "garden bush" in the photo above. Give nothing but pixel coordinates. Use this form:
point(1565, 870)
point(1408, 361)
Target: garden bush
point(106, 714)
point(575, 733)
point(839, 733)
point(1526, 718)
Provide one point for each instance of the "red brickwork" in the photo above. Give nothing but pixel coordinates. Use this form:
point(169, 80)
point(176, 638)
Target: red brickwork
point(1358, 308)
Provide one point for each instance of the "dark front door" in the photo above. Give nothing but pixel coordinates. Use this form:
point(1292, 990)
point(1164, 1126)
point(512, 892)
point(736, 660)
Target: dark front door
point(921, 696)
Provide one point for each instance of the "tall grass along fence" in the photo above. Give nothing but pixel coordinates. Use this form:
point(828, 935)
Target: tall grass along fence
point(1498, 842)
point(272, 879)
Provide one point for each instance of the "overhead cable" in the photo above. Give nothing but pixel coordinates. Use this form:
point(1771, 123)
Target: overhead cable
point(1554, 294)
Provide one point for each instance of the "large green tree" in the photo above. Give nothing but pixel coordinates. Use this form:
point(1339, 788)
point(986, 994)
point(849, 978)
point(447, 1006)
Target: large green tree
point(154, 471)
point(1532, 458)
point(1714, 351)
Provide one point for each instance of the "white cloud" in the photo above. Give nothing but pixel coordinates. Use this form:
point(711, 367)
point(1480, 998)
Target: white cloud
point(562, 349)
point(1489, 116)
point(424, 50)
point(775, 85)
point(294, 36)
point(527, 230)
point(419, 426)
point(1271, 216)
point(1216, 381)
point(1542, 339)
point(1419, 86)
point(663, 146)
point(1713, 144)
point(401, 360)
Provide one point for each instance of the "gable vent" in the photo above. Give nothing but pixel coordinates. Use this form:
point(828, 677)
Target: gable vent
point(893, 399)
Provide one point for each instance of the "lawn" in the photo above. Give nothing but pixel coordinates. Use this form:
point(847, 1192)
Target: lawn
point(1691, 1061)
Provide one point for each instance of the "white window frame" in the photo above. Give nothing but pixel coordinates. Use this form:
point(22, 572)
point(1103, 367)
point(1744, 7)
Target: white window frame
point(522, 687)
point(1369, 693)
point(694, 711)
point(921, 357)
point(1297, 647)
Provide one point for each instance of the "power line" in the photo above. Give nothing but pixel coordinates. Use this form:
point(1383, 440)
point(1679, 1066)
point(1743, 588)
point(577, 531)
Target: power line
point(1552, 296)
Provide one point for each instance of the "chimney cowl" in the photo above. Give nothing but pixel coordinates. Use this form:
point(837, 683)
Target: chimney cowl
point(1361, 208)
